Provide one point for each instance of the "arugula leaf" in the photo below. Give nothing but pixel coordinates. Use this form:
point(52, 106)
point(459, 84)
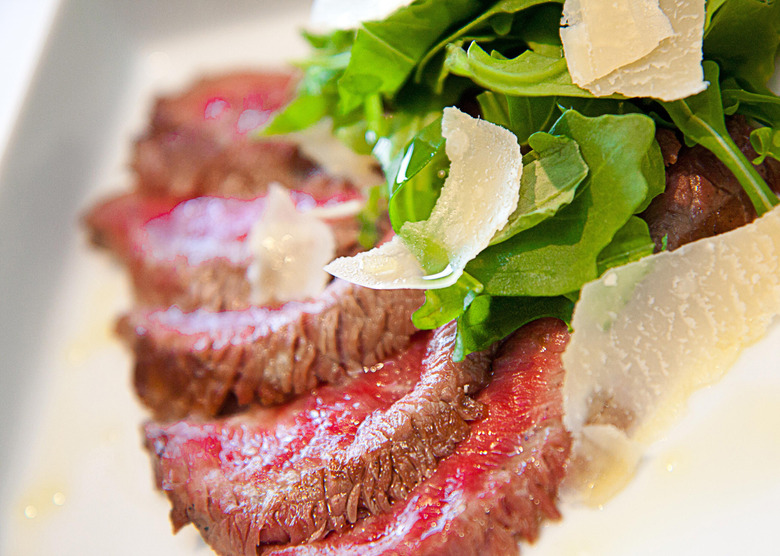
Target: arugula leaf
point(413, 112)
point(527, 115)
point(560, 254)
point(593, 107)
point(304, 111)
point(386, 52)
point(701, 119)
point(711, 8)
point(370, 217)
point(540, 28)
point(417, 176)
point(489, 319)
point(501, 23)
point(551, 173)
point(495, 17)
point(494, 108)
point(743, 37)
point(529, 74)
point(523, 116)
point(334, 42)
point(317, 94)
point(631, 243)
point(766, 142)
point(652, 168)
point(763, 107)
point(446, 304)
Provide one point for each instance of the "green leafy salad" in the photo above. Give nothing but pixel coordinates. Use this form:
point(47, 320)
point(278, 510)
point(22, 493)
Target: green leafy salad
point(590, 165)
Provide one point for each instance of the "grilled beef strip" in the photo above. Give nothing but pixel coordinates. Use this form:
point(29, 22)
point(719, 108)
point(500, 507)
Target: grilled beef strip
point(195, 254)
point(204, 141)
point(201, 141)
point(499, 484)
point(294, 473)
point(114, 222)
point(200, 362)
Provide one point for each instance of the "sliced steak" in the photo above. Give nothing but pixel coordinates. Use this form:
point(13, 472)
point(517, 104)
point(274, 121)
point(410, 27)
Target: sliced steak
point(499, 484)
point(702, 196)
point(197, 254)
point(201, 141)
point(196, 363)
point(114, 222)
point(295, 473)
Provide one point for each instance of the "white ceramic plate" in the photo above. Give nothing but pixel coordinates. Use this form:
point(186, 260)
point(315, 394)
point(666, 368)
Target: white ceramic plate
point(74, 479)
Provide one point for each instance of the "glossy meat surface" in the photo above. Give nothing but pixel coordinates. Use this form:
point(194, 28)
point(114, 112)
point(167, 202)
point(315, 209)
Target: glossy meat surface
point(499, 484)
point(321, 462)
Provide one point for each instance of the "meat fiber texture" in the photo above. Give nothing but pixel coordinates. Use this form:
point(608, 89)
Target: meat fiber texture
point(199, 362)
point(499, 484)
point(202, 140)
point(194, 253)
point(702, 197)
point(324, 461)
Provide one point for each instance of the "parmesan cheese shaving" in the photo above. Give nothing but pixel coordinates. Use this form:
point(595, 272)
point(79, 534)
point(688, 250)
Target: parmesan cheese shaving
point(602, 463)
point(609, 51)
point(611, 35)
point(647, 335)
point(319, 144)
point(391, 266)
point(289, 249)
point(338, 210)
point(478, 196)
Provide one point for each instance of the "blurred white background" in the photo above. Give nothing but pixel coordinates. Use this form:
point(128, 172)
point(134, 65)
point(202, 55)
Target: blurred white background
point(23, 28)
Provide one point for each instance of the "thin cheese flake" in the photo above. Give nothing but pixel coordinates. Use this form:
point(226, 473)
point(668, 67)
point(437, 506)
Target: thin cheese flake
point(602, 463)
point(647, 335)
point(604, 46)
point(600, 38)
point(391, 266)
point(289, 249)
point(320, 145)
point(480, 193)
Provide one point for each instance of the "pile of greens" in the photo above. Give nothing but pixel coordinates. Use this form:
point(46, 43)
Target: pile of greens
point(590, 164)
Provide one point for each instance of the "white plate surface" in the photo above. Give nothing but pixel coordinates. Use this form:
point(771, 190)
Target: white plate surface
point(73, 477)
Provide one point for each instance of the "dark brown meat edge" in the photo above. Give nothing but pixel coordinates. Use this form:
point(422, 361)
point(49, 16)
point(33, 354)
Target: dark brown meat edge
point(702, 197)
point(271, 356)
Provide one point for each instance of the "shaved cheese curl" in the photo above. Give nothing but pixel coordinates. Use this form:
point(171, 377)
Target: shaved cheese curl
point(649, 334)
point(480, 193)
point(610, 49)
